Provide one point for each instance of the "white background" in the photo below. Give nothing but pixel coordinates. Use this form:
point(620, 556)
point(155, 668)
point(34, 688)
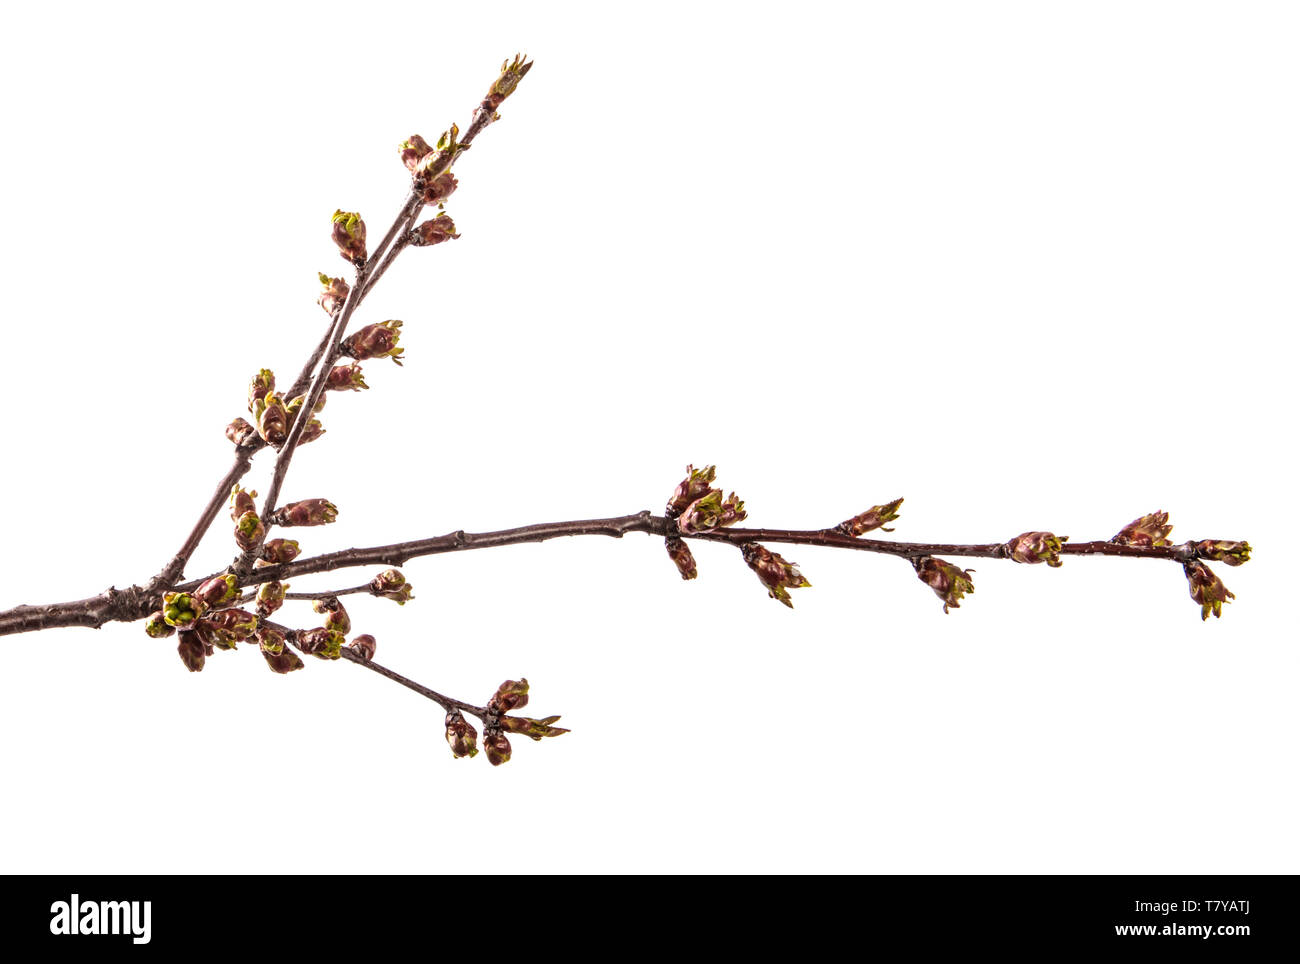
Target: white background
point(1028, 265)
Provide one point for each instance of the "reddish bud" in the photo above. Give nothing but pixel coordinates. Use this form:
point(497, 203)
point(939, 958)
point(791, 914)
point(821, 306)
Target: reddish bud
point(261, 385)
point(219, 590)
point(773, 572)
point(249, 531)
point(439, 229)
point(230, 626)
point(497, 747)
point(240, 432)
point(461, 735)
point(873, 518)
point(436, 189)
point(241, 501)
point(391, 584)
point(1150, 530)
point(321, 643)
point(279, 657)
point(272, 420)
point(533, 729)
point(349, 233)
point(308, 512)
point(510, 695)
point(192, 652)
point(696, 484)
point(271, 641)
point(413, 150)
point(343, 378)
point(182, 610)
point(363, 646)
point(512, 72)
point(950, 583)
point(334, 291)
point(1231, 553)
point(270, 597)
point(336, 617)
point(158, 627)
point(1031, 547)
point(710, 512)
point(1207, 589)
point(680, 553)
point(280, 550)
point(311, 432)
point(375, 341)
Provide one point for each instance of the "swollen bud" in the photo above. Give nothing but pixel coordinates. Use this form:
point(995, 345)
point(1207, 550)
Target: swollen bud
point(1031, 547)
point(240, 432)
point(279, 657)
point(158, 627)
point(272, 420)
point(249, 531)
point(280, 550)
point(192, 652)
point(512, 72)
point(773, 572)
point(1232, 553)
point(261, 385)
point(391, 584)
point(1207, 589)
point(349, 234)
point(375, 341)
point(696, 485)
point(873, 518)
point(438, 188)
point(241, 501)
point(461, 735)
point(710, 512)
point(439, 229)
point(321, 643)
point(950, 583)
point(363, 646)
point(334, 291)
point(219, 590)
point(497, 747)
point(270, 597)
point(344, 378)
point(182, 610)
point(227, 627)
point(308, 512)
point(336, 617)
point(413, 150)
point(1149, 531)
point(680, 553)
point(510, 695)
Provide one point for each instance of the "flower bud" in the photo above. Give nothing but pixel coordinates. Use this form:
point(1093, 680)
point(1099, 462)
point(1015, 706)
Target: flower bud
point(311, 432)
point(272, 420)
point(773, 572)
point(279, 657)
point(1207, 589)
point(240, 432)
point(710, 512)
point(512, 72)
point(510, 695)
point(308, 512)
point(182, 610)
point(344, 378)
point(270, 597)
point(249, 531)
point(413, 150)
point(1149, 531)
point(1031, 547)
point(363, 646)
point(533, 729)
point(158, 627)
point(231, 625)
point(349, 234)
point(497, 747)
point(1231, 553)
point(461, 735)
point(241, 501)
point(321, 643)
point(949, 582)
point(276, 551)
point(696, 485)
point(873, 518)
point(375, 341)
point(391, 584)
point(435, 190)
point(336, 617)
point(219, 590)
point(334, 292)
point(271, 641)
point(680, 553)
point(192, 652)
point(439, 229)
point(261, 385)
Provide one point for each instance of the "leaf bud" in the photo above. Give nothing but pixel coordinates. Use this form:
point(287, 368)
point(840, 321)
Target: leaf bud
point(344, 378)
point(1207, 589)
point(533, 729)
point(1148, 531)
point(950, 583)
point(873, 518)
point(375, 341)
point(1032, 547)
point(1231, 553)
point(773, 572)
